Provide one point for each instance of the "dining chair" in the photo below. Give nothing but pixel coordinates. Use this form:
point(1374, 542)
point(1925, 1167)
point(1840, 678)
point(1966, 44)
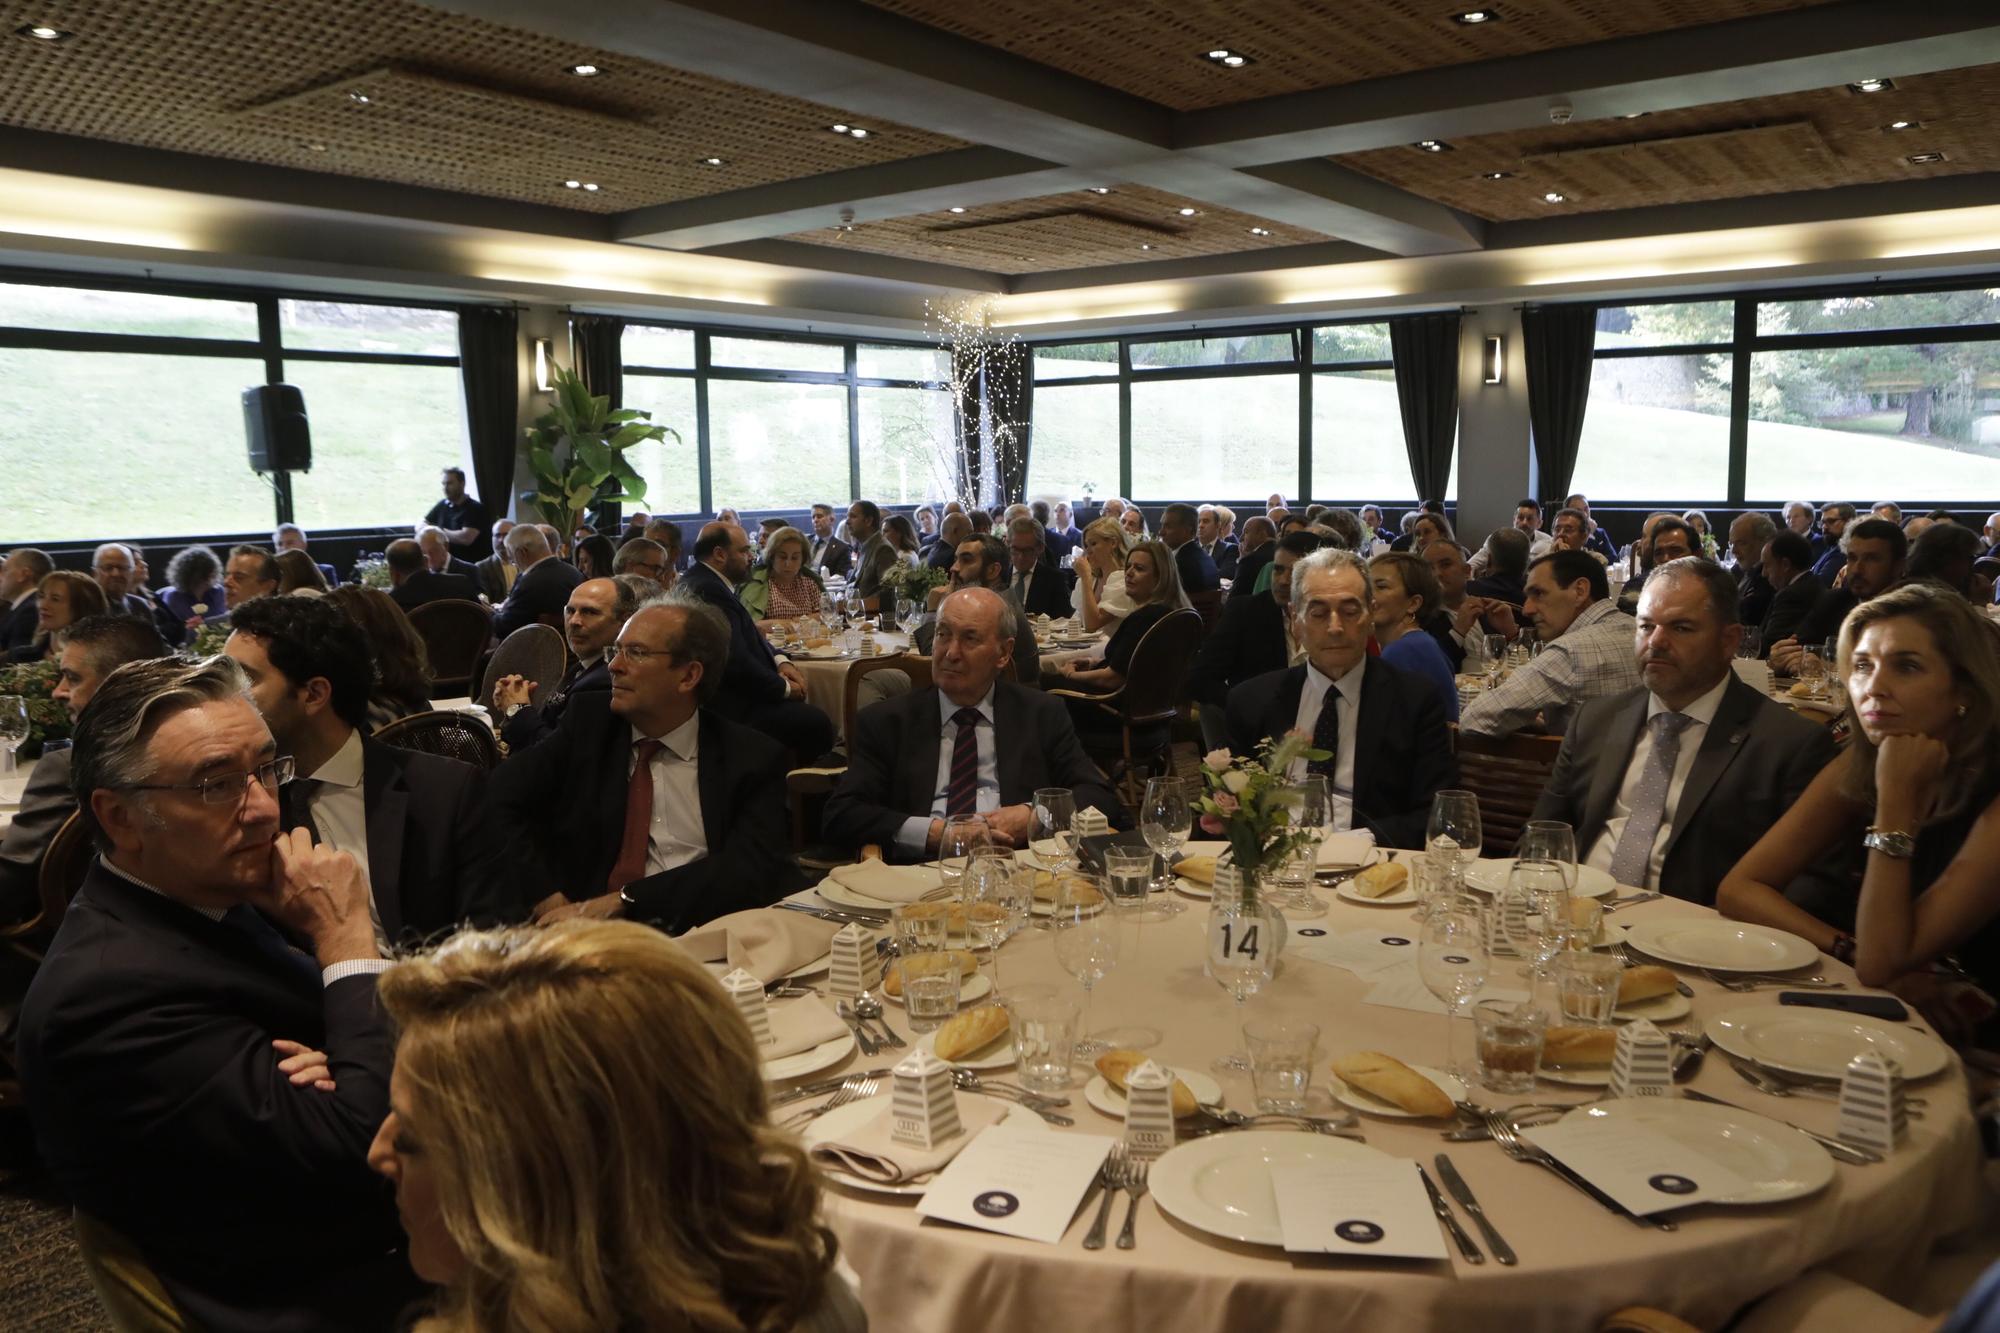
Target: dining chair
point(533, 651)
point(1144, 708)
point(461, 736)
point(1507, 774)
point(455, 632)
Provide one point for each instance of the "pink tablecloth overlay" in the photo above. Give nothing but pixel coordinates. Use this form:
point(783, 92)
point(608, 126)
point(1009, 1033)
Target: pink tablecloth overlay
point(1578, 1262)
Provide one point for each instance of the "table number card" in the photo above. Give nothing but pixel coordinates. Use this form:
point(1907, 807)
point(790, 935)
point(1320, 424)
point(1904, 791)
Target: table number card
point(1020, 1182)
point(748, 992)
point(1376, 1209)
point(855, 966)
point(1641, 1168)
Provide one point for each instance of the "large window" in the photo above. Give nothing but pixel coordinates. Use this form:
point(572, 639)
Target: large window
point(1075, 450)
point(672, 468)
point(906, 444)
point(1203, 437)
point(777, 445)
point(150, 384)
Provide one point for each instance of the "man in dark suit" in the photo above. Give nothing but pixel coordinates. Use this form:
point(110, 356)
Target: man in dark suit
point(973, 743)
point(20, 574)
point(1065, 538)
point(1254, 637)
point(418, 824)
point(758, 689)
point(1035, 581)
point(1668, 785)
point(1259, 546)
point(1787, 563)
point(1178, 525)
point(542, 588)
point(695, 830)
point(953, 530)
point(1506, 577)
point(829, 554)
point(1749, 534)
point(1215, 543)
point(496, 573)
point(412, 583)
point(438, 557)
point(597, 610)
point(113, 567)
point(196, 1082)
point(1389, 749)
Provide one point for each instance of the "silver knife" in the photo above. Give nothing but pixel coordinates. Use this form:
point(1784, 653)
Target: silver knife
point(1463, 1193)
point(1443, 1210)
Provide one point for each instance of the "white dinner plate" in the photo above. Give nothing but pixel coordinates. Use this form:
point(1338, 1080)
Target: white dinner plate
point(839, 894)
point(1348, 1095)
point(1659, 1009)
point(1402, 897)
point(970, 988)
point(1818, 1043)
point(1777, 1161)
point(1221, 1183)
point(1103, 1097)
point(820, 654)
point(1726, 946)
point(811, 1060)
point(1587, 1076)
point(996, 1055)
point(1192, 889)
point(1490, 876)
point(846, 1119)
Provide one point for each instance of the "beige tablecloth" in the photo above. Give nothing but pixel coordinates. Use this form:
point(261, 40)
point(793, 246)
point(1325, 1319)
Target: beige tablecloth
point(11, 786)
point(1578, 1263)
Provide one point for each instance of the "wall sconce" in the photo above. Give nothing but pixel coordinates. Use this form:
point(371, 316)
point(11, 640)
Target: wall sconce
point(545, 352)
point(1496, 360)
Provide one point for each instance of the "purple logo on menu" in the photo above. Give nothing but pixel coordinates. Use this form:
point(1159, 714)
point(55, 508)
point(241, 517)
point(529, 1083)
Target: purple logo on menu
point(1358, 1232)
point(996, 1203)
point(1312, 932)
point(1396, 940)
point(1673, 1184)
point(1456, 959)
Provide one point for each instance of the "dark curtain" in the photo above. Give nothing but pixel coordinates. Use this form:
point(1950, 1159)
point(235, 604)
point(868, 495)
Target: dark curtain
point(489, 366)
point(1425, 348)
point(1010, 401)
point(971, 469)
point(597, 342)
point(1558, 341)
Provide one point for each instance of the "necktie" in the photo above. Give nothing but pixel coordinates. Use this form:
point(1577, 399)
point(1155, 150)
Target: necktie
point(962, 794)
point(295, 805)
point(246, 921)
point(1326, 734)
point(631, 862)
point(1629, 861)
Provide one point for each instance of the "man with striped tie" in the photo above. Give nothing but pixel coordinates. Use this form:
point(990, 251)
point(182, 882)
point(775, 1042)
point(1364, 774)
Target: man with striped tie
point(973, 743)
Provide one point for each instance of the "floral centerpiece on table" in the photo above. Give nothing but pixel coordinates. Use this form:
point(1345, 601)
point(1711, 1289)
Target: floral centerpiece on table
point(48, 720)
point(916, 584)
point(207, 641)
point(373, 571)
point(1248, 799)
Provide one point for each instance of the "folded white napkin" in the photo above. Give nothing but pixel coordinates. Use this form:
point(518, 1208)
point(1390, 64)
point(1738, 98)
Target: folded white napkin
point(799, 1025)
point(1347, 849)
point(873, 1154)
point(887, 883)
point(764, 942)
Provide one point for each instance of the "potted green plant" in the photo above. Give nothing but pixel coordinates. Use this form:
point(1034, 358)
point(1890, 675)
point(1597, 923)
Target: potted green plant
point(577, 451)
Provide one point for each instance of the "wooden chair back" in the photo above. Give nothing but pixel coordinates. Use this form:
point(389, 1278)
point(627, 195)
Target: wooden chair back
point(1507, 775)
point(455, 632)
point(534, 651)
point(1159, 664)
point(461, 736)
point(64, 865)
point(1207, 605)
point(918, 669)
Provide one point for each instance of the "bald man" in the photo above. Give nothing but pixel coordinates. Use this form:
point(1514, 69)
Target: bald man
point(972, 743)
point(759, 689)
point(541, 590)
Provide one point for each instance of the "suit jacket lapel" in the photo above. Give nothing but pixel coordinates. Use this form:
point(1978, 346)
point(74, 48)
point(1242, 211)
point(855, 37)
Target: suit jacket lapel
point(1284, 714)
point(1719, 749)
point(387, 800)
point(1007, 723)
point(1370, 720)
point(920, 749)
point(708, 780)
point(1614, 756)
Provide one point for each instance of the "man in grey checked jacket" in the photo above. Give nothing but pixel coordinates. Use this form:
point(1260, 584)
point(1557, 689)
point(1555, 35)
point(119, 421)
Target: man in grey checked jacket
point(1588, 652)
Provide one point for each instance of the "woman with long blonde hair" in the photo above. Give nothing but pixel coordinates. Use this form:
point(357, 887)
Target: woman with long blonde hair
point(1099, 598)
point(579, 1140)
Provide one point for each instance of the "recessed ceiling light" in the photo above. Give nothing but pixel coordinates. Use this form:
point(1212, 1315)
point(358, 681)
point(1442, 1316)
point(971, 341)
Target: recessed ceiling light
point(839, 129)
point(572, 185)
point(956, 208)
point(1260, 231)
point(1434, 146)
point(858, 133)
point(1871, 85)
point(1186, 212)
point(1100, 189)
point(1222, 55)
point(1496, 175)
point(713, 162)
point(1473, 16)
point(361, 99)
point(1144, 246)
point(1924, 159)
point(591, 186)
point(1555, 197)
point(42, 32)
point(313, 146)
point(1899, 125)
point(585, 71)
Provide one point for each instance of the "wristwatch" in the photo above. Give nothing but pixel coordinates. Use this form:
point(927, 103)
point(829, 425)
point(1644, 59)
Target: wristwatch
point(626, 902)
point(511, 710)
point(1889, 842)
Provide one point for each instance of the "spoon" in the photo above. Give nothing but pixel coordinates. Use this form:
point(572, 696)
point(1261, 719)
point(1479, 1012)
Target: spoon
point(869, 1009)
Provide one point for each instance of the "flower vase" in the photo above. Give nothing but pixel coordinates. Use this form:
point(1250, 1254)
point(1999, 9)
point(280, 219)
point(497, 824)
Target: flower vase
point(1245, 888)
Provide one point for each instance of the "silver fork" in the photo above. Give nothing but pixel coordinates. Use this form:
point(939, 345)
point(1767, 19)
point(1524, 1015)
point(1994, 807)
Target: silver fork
point(855, 1087)
point(1520, 1150)
point(1113, 1176)
point(1754, 981)
point(972, 1082)
point(1777, 1083)
point(1614, 904)
point(1135, 1185)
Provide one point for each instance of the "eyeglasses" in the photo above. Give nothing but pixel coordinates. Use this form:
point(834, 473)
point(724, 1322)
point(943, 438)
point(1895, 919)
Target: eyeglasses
point(229, 788)
point(638, 656)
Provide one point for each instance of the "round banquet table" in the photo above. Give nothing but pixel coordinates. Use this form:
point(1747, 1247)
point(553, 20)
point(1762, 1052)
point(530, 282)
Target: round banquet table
point(1578, 1262)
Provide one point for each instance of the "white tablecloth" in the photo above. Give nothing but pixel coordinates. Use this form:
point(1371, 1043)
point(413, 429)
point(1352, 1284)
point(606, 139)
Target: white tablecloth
point(11, 786)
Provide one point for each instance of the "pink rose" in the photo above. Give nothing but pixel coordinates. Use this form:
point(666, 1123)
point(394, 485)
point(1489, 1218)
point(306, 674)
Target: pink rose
point(1226, 803)
point(1210, 824)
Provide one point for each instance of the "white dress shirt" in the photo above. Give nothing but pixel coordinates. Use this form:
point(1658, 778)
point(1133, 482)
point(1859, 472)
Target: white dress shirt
point(338, 811)
point(677, 837)
point(1347, 698)
point(1700, 713)
point(915, 834)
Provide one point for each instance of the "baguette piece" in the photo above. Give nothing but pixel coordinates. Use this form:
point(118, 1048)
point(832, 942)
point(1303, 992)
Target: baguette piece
point(1197, 869)
point(1116, 1064)
point(892, 976)
point(1644, 982)
point(1080, 890)
point(1571, 1047)
point(969, 1032)
point(1394, 1082)
point(1379, 881)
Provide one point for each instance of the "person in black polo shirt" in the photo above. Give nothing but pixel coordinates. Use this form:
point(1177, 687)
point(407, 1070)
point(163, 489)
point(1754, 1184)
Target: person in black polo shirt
point(463, 519)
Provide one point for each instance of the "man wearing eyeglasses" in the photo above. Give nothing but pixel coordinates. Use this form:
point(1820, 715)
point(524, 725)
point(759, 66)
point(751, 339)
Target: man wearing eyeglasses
point(597, 610)
point(646, 802)
point(417, 823)
point(204, 1060)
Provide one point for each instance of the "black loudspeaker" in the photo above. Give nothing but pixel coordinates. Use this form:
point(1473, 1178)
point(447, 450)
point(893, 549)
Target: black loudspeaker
point(274, 424)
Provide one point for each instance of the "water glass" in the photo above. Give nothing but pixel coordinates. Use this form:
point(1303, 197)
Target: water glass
point(1496, 656)
point(988, 890)
point(1550, 840)
point(1281, 1062)
point(1128, 871)
point(1044, 1025)
point(1509, 1044)
point(962, 837)
point(1434, 876)
point(930, 988)
point(13, 728)
point(920, 927)
point(1587, 987)
point(1055, 809)
point(1751, 645)
point(1088, 943)
point(1812, 670)
point(1583, 923)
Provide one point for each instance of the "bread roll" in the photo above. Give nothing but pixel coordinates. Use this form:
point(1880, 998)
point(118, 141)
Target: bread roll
point(1644, 982)
point(970, 1032)
point(1394, 1082)
point(1117, 1064)
point(892, 977)
point(1197, 869)
point(1570, 1047)
point(815, 644)
point(1078, 889)
point(1801, 690)
point(1379, 881)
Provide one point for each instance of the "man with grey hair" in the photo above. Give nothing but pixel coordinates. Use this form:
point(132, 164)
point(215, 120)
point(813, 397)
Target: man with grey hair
point(1033, 581)
point(1749, 534)
point(644, 558)
point(955, 529)
point(646, 802)
point(541, 590)
point(1260, 546)
point(229, 1142)
point(1383, 733)
point(972, 743)
point(438, 557)
point(1667, 785)
point(415, 582)
point(113, 567)
point(596, 611)
point(1586, 650)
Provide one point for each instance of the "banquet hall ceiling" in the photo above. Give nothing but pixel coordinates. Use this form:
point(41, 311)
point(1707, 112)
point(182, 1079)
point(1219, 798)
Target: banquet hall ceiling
point(1022, 144)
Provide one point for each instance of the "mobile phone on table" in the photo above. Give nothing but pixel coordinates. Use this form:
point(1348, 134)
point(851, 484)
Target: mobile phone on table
point(1874, 1006)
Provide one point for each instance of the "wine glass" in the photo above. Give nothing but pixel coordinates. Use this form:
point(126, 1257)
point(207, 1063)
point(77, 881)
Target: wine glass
point(1550, 840)
point(1534, 913)
point(1496, 657)
point(1751, 646)
point(1166, 818)
point(1452, 960)
point(963, 836)
point(1241, 958)
point(1454, 829)
point(1055, 810)
point(987, 890)
point(13, 726)
point(1313, 814)
point(1087, 946)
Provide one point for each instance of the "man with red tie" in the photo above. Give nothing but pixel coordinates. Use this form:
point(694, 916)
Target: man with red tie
point(644, 802)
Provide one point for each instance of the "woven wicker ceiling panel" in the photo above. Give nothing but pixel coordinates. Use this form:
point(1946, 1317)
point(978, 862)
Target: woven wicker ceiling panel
point(1081, 230)
point(1770, 145)
point(470, 106)
point(1155, 48)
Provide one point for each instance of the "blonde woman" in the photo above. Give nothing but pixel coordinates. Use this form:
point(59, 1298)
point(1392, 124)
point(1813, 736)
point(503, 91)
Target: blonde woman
point(782, 587)
point(579, 1140)
point(1153, 582)
point(1099, 599)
